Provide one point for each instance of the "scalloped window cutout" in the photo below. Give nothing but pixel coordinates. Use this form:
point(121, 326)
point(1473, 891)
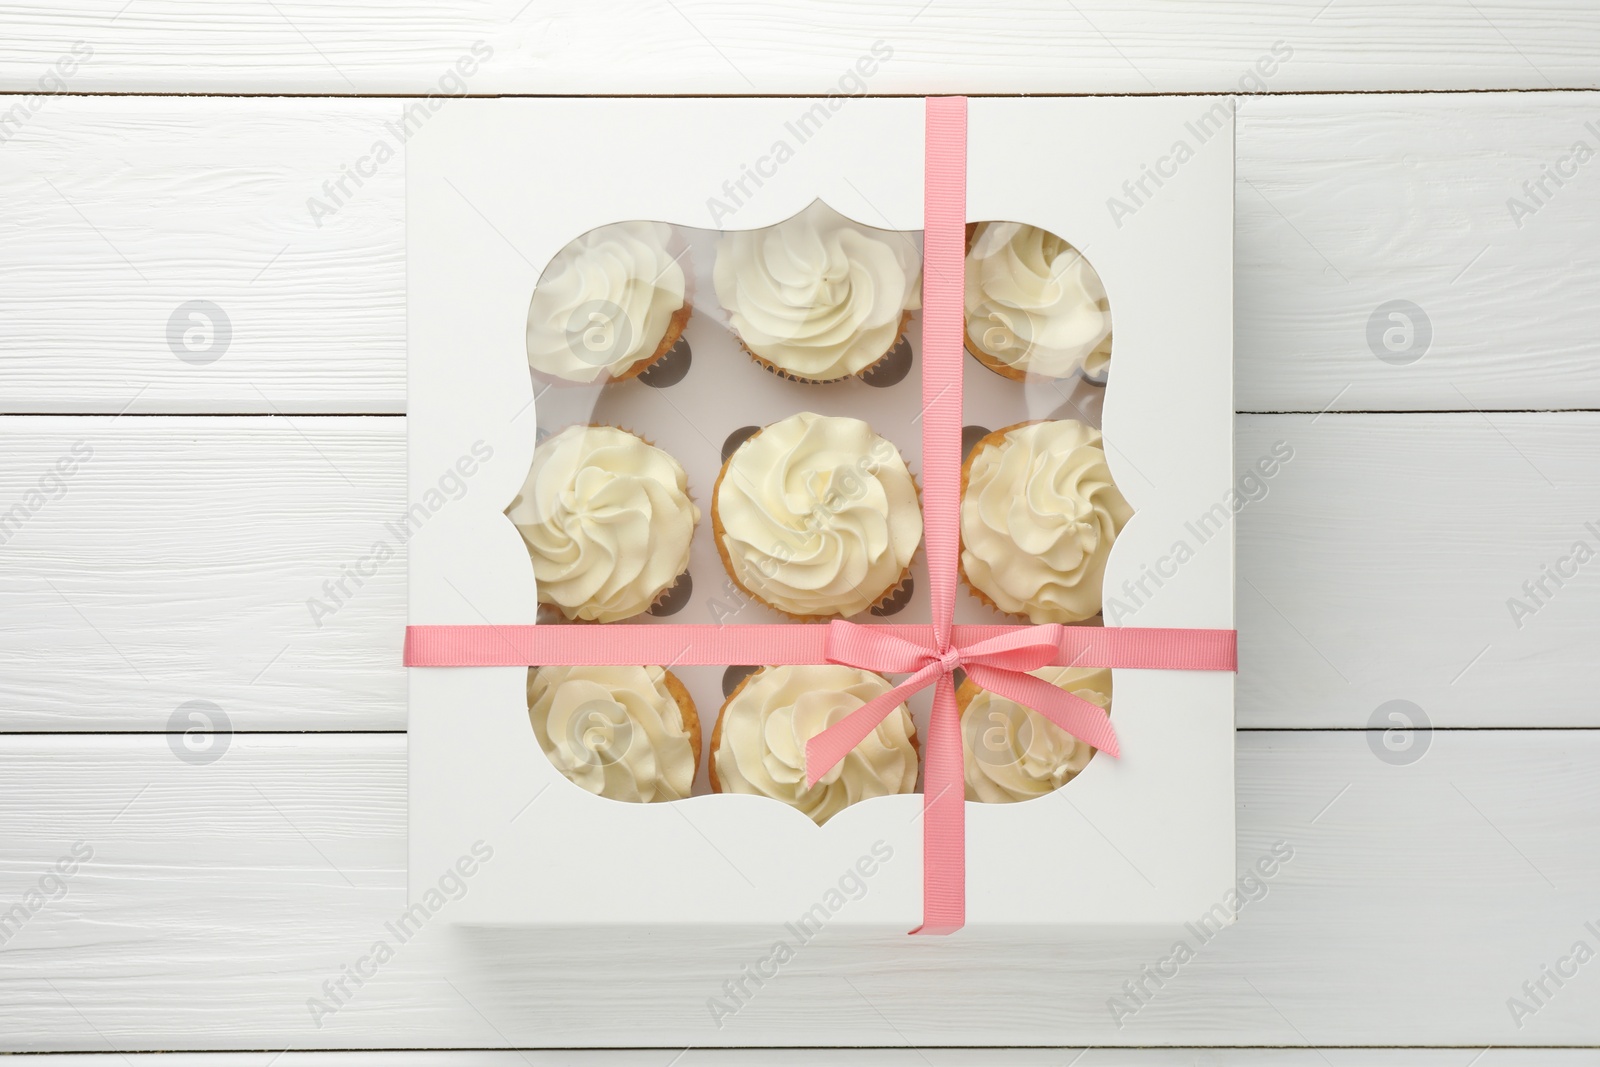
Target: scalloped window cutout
point(729, 433)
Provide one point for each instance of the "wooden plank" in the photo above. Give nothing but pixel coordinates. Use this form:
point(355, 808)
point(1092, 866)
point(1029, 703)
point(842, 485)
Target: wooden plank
point(714, 46)
point(122, 210)
point(175, 560)
point(221, 896)
point(1449, 204)
point(856, 1057)
point(178, 561)
point(123, 213)
point(1385, 560)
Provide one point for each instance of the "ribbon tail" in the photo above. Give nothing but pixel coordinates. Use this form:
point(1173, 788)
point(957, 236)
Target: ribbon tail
point(1083, 720)
point(944, 814)
point(824, 751)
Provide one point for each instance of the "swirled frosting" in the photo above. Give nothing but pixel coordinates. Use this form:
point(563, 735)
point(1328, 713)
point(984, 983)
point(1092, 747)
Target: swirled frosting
point(607, 519)
point(616, 731)
point(761, 746)
point(1011, 752)
point(605, 302)
point(1038, 519)
point(1034, 303)
point(817, 295)
point(817, 515)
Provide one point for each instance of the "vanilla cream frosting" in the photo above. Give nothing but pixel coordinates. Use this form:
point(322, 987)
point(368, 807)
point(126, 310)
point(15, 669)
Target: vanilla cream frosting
point(817, 295)
point(1012, 752)
point(1034, 303)
point(607, 519)
point(818, 514)
point(605, 302)
point(764, 728)
point(1038, 520)
point(616, 731)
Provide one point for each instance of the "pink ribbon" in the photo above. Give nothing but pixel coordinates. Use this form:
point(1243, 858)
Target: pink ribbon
point(996, 658)
point(997, 664)
point(700, 645)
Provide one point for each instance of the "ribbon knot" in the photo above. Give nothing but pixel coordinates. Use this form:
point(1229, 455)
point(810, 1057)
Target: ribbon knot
point(998, 664)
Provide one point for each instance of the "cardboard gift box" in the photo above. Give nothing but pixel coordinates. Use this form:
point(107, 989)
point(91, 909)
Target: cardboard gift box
point(1143, 189)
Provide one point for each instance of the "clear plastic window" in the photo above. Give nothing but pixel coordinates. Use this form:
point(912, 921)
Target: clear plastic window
point(729, 433)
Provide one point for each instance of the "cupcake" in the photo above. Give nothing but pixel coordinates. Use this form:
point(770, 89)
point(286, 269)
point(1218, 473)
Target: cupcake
point(816, 516)
point(1011, 752)
point(627, 733)
point(818, 297)
point(607, 520)
point(1034, 305)
point(1039, 513)
point(610, 305)
point(759, 744)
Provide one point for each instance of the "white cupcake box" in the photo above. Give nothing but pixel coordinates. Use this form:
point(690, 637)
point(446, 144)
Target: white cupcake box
point(495, 188)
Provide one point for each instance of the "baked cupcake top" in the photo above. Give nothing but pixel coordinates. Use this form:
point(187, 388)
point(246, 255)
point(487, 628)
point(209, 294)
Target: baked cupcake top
point(618, 732)
point(764, 727)
point(818, 296)
point(1034, 303)
point(817, 515)
point(1011, 752)
point(1038, 517)
point(604, 303)
point(607, 519)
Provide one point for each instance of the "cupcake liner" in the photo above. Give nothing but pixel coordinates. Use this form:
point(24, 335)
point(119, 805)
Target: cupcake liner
point(669, 369)
point(682, 585)
point(773, 368)
point(892, 369)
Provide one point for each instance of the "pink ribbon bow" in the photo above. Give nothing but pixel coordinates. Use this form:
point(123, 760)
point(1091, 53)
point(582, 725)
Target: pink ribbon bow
point(997, 664)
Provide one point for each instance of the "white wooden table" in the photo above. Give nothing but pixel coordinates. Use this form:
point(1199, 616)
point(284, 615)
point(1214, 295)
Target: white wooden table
point(1435, 871)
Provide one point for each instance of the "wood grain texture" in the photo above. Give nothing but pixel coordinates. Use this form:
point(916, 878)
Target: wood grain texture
point(855, 1057)
point(1376, 565)
point(1450, 203)
point(121, 210)
point(175, 563)
point(295, 47)
point(721, 46)
point(1382, 562)
point(221, 896)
